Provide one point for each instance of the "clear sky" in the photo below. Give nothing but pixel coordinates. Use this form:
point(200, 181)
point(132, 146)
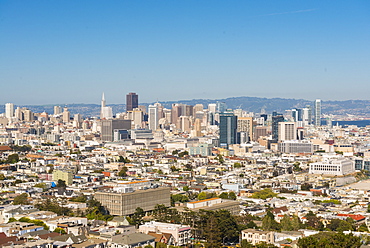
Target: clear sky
point(72, 51)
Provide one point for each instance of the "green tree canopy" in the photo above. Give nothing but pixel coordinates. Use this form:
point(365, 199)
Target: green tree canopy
point(122, 172)
point(61, 184)
point(264, 194)
point(21, 199)
point(330, 239)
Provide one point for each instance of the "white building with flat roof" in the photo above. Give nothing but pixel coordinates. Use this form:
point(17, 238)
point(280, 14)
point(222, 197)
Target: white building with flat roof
point(335, 167)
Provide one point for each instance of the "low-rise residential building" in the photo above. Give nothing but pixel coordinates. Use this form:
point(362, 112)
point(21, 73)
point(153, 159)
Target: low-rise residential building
point(256, 236)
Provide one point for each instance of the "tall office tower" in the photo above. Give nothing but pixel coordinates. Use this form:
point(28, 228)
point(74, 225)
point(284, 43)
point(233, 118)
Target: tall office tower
point(260, 131)
point(198, 127)
point(306, 116)
point(137, 118)
point(297, 115)
point(212, 107)
point(221, 107)
point(132, 101)
point(167, 114)
point(245, 125)
point(102, 106)
point(153, 117)
point(287, 131)
point(19, 114)
point(175, 113)
point(185, 123)
point(66, 115)
point(57, 110)
point(197, 108)
point(309, 107)
point(276, 118)
point(228, 128)
point(105, 112)
point(9, 110)
point(109, 127)
point(77, 117)
point(28, 115)
point(188, 110)
point(317, 112)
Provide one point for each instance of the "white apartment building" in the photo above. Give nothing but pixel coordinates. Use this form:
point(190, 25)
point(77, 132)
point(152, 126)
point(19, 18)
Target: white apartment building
point(181, 233)
point(335, 167)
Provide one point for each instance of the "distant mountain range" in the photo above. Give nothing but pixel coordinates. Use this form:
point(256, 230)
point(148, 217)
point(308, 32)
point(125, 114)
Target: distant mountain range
point(253, 104)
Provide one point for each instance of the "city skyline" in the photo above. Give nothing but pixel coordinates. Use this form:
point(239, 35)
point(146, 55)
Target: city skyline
point(72, 51)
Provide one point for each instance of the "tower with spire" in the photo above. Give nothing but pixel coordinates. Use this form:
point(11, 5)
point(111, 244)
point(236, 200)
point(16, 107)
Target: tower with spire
point(102, 106)
point(105, 112)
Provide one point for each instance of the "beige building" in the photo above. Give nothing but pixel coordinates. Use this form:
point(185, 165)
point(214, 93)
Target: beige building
point(256, 236)
point(66, 176)
point(126, 203)
point(287, 131)
point(245, 124)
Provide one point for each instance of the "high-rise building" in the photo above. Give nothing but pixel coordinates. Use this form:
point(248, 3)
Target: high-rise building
point(212, 107)
point(276, 118)
point(221, 107)
point(102, 106)
point(132, 101)
point(306, 116)
point(108, 128)
point(57, 110)
point(66, 115)
point(287, 131)
point(228, 129)
point(9, 110)
point(317, 112)
point(245, 125)
point(153, 112)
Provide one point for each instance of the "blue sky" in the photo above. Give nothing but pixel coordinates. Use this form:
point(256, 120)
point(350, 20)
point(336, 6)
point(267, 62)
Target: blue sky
point(72, 51)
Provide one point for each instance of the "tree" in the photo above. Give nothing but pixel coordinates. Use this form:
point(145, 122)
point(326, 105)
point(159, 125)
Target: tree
point(224, 195)
point(264, 194)
point(186, 188)
point(12, 219)
point(54, 206)
point(42, 186)
point(330, 239)
point(123, 160)
point(160, 245)
point(61, 184)
point(122, 172)
point(265, 245)
point(12, 159)
point(60, 230)
point(227, 195)
point(306, 186)
point(246, 244)
point(363, 228)
point(80, 198)
point(137, 217)
point(313, 222)
point(205, 195)
point(21, 199)
point(2, 177)
point(285, 223)
point(237, 165)
point(269, 223)
point(178, 198)
point(340, 225)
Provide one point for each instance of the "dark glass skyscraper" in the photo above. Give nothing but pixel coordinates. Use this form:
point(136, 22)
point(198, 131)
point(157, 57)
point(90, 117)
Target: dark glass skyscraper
point(276, 118)
point(132, 101)
point(228, 129)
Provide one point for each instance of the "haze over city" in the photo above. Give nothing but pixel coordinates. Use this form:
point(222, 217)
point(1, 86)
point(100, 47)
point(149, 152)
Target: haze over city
point(70, 52)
